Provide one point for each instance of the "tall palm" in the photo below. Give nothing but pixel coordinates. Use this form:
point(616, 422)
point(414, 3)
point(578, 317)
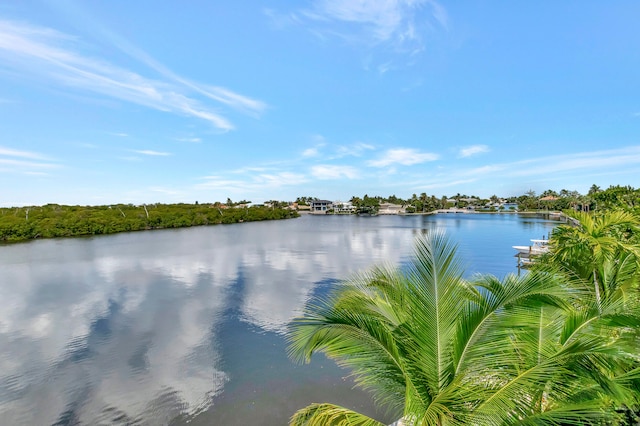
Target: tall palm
point(423, 200)
point(596, 243)
point(436, 349)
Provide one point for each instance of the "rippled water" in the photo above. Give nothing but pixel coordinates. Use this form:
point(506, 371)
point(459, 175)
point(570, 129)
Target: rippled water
point(186, 326)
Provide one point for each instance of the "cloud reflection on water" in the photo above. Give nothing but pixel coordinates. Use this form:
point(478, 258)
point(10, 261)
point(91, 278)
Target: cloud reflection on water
point(122, 328)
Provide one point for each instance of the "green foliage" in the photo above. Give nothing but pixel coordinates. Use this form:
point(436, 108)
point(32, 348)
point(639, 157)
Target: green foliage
point(425, 203)
point(528, 201)
point(366, 204)
point(620, 197)
point(53, 220)
point(601, 249)
point(436, 349)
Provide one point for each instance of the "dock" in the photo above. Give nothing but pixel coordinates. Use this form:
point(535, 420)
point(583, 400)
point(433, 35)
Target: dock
point(526, 254)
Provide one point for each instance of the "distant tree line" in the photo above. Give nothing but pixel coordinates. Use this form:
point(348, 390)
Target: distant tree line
point(54, 220)
point(597, 199)
point(615, 197)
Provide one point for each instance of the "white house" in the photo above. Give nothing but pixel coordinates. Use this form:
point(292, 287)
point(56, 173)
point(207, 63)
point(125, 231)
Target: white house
point(343, 207)
point(320, 206)
point(389, 208)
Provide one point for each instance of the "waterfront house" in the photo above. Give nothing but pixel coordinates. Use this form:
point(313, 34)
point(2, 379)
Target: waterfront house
point(343, 207)
point(321, 206)
point(389, 208)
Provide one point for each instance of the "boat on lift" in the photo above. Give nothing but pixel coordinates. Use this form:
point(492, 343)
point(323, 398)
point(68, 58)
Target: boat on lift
point(536, 247)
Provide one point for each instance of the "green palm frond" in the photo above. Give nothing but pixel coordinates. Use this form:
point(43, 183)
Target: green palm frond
point(330, 415)
point(356, 326)
point(578, 414)
point(438, 349)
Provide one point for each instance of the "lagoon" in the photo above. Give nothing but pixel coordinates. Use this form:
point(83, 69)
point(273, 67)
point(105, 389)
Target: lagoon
point(187, 325)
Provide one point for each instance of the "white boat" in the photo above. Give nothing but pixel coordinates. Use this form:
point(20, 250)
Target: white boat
point(522, 249)
point(536, 247)
point(539, 246)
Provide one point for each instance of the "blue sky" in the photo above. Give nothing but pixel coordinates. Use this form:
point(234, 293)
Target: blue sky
point(146, 101)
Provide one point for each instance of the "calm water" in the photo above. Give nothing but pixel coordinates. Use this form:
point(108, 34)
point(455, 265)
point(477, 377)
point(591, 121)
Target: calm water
point(186, 326)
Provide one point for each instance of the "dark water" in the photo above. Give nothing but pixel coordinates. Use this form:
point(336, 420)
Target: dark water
point(186, 326)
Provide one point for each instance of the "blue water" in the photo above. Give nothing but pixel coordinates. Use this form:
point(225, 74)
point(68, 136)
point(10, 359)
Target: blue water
point(186, 326)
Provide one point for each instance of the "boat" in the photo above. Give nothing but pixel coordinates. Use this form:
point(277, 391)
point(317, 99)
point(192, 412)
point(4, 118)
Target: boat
point(536, 247)
point(522, 249)
point(539, 246)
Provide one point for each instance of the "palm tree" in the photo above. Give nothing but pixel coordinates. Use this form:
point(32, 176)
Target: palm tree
point(594, 189)
point(423, 200)
point(436, 349)
point(594, 245)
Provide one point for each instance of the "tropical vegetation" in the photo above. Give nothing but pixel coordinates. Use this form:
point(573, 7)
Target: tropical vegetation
point(54, 220)
point(558, 345)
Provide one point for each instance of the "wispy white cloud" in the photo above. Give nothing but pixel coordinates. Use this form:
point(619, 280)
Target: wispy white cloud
point(311, 152)
point(14, 161)
point(152, 153)
point(26, 164)
point(227, 97)
point(120, 134)
point(589, 163)
point(401, 23)
point(593, 161)
point(403, 156)
point(314, 151)
point(256, 183)
point(355, 150)
point(327, 171)
point(472, 150)
point(54, 56)
point(9, 152)
point(220, 94)
point(383, 68)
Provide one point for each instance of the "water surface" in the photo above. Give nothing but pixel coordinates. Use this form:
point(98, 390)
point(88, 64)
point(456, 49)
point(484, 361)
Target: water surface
point(186, 326)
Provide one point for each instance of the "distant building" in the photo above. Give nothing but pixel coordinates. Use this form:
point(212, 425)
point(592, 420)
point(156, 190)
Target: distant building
point(471, 200)
point(343, 207)
point(389, 208)
point(321, 206)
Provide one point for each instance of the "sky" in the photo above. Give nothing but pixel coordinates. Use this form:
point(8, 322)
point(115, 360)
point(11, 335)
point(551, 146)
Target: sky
point(146, 101)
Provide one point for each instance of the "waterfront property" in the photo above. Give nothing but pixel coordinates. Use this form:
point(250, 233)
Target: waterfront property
point(343, 207)
point(321, 206)
point(390, 208)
